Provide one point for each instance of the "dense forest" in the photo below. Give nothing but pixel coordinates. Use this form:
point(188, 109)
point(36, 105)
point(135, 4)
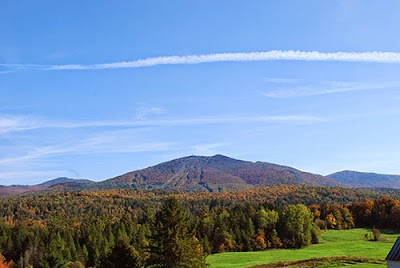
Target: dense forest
point(131, 228)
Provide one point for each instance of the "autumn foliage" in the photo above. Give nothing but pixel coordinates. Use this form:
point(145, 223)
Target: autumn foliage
point(90, 228)
point(4, 263)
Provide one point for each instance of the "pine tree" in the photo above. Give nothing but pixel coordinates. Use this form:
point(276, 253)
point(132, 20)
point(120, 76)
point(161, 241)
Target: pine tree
point(53, 260)
point(173, 244)
point(122, 255)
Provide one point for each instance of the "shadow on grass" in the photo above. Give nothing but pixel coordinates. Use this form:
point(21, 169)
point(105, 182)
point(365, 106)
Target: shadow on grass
point(390, 231)
point(317, 262)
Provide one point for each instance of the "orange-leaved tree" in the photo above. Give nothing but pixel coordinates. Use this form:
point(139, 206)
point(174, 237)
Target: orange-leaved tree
point(4, 263)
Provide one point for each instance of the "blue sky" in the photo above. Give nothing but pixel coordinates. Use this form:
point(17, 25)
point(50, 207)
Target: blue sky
point(95, 89)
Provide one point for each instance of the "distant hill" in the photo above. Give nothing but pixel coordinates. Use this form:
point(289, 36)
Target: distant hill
point(215, 173)
point(364, 179)
point(62, 181)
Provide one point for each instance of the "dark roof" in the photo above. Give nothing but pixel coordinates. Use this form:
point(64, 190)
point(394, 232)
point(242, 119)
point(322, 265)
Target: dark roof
point(394, 254)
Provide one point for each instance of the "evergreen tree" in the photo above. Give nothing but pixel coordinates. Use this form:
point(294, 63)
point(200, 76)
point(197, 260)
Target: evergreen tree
point(122, 255)
point(53, 260)
point(173, 244)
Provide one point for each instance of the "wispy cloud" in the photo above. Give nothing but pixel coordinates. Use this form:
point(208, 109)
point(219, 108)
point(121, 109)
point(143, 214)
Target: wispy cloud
point(29, 176)
point(273, 55)
point(117, 141)
point(36, 153)
point(281, 80)
point(128, 137)
point(209, 148)
point(6, 72)
point(12, 123)
point(19, 123)
point(324, 88)
point(144, 110)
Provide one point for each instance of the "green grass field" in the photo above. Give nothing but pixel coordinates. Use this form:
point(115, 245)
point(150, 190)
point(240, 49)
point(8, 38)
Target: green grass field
point(350, 243)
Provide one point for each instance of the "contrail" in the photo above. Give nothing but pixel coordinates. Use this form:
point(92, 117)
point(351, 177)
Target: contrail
point(273, 55)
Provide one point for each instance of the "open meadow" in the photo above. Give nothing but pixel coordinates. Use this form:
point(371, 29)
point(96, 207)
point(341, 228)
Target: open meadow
point(334, 243)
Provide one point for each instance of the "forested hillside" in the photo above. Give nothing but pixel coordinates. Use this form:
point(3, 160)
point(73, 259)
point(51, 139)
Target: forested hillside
point(90, 228)
point(214, 174)
point(366, 179)
point(63, 182)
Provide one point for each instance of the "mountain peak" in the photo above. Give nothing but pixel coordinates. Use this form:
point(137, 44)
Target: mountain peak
point(62, 180)
point(221, 156)
point(215, 173)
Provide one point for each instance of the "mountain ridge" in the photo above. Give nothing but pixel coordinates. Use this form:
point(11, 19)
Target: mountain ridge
point(215, 173)
point(20, 189)
point(366, 179)
point(212, 174)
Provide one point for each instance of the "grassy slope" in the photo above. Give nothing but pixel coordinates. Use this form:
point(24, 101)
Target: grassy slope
point(333, 243)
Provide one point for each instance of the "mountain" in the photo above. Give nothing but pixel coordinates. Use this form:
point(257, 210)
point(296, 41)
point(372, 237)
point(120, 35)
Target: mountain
point(215, 173)
point(212, 174)
point(364, 179)
point(62, 181)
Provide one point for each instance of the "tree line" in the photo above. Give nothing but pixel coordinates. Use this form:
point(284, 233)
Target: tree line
point(92, 229)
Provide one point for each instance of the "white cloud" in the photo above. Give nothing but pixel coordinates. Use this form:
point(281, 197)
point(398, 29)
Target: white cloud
point(208, 149)
point(11, 123)
point(118, 141)
point(281, 80)
point(143, 111)
point(129, 140)
point(14, 124)
point(35, 153)
point(6, 72)
point(273, 55)
point(324, 88)
point(35, 176)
